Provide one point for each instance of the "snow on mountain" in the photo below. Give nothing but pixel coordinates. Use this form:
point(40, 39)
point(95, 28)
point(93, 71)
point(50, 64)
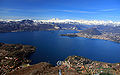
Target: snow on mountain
point(70, 21)
point(86, 22)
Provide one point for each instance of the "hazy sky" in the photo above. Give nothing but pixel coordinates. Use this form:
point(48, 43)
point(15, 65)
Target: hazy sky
point(63, 9)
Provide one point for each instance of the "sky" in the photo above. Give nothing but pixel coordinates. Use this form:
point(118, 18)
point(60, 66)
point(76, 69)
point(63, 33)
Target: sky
point(62, 9)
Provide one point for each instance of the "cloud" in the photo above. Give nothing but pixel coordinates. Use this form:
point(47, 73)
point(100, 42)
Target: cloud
point(75, 11)
point(8, 10)
point(55, 10)
point(22, 11)
point(107, 10)
point(4, 10)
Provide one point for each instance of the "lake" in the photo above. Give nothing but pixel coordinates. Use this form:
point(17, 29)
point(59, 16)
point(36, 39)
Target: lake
point(52, 47)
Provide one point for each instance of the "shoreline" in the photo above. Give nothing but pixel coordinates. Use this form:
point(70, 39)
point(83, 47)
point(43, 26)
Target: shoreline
point(68, 64)
point(77, 65)
point(102, 37)
point(74, 35)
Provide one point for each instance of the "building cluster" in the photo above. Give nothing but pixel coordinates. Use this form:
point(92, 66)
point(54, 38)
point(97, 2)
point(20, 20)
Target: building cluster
point(8, 64)
point(85, 66)
point(104, 36)
point(12, 56)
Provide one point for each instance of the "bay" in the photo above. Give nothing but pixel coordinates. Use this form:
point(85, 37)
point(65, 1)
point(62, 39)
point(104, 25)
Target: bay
point(52, 47)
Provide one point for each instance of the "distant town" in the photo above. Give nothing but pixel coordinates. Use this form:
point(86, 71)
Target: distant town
point(95, 34)
point(86, 66)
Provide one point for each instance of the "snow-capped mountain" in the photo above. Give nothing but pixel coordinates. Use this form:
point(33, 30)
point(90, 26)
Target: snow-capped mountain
point(70, 21)
point(86, 22)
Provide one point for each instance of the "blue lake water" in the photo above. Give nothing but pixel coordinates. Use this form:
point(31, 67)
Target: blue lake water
point(52, 47)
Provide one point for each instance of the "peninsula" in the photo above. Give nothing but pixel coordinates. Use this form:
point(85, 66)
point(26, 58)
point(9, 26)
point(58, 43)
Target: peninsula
point(94, 33)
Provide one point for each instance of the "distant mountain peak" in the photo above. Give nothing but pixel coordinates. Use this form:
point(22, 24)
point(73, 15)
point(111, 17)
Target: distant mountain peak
point(55, 19)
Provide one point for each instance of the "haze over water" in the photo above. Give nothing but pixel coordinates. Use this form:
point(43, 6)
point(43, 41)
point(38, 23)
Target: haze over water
point(52, 47)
